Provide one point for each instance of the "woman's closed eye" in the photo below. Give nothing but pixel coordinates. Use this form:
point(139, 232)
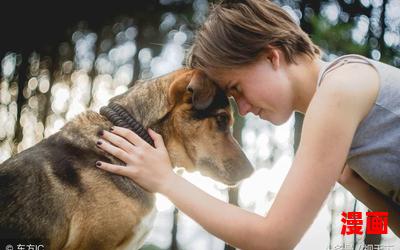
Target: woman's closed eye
point(234, 89)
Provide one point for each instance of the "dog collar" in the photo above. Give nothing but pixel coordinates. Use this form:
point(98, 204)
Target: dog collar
point(118, 115)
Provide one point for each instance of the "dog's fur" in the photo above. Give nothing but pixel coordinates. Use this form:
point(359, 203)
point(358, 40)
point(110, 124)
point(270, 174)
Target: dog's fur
point(53, 192)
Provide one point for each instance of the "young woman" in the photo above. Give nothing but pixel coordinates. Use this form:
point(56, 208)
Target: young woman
point(351, 130)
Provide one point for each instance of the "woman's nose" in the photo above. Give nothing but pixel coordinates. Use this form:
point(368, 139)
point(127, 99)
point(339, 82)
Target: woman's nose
point(243, 105)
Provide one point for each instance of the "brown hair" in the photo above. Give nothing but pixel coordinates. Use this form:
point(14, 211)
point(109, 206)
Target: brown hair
point(237, 32)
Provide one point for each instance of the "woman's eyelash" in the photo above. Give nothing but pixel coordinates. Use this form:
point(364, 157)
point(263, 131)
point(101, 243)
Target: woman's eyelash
point(231, 86)
point(235, 87)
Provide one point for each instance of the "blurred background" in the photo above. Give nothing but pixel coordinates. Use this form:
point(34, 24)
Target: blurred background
point(61, 58)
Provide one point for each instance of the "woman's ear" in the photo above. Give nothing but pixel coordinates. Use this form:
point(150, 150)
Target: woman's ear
point(273, 55)
point(275, 58)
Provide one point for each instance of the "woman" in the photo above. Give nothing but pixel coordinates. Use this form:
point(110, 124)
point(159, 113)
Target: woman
point(351, 130)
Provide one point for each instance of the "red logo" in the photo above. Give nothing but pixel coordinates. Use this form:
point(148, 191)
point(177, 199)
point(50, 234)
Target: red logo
point(377, 223)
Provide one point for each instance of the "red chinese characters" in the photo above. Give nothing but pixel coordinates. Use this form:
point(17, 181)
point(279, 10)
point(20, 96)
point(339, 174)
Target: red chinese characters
point(377, 223)
point(352, 223)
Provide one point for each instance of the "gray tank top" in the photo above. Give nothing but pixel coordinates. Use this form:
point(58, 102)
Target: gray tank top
point(375, 149)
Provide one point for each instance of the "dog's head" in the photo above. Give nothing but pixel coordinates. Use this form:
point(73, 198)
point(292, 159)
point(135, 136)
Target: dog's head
point(199, 130)
point(194, 117)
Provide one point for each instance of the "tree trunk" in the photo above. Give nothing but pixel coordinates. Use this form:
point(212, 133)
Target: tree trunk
point(233, 193)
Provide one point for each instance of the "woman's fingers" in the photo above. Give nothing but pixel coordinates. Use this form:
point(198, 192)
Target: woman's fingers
point(147, 166)
point(348, 176)
point(116, 169)
point(118, 141)
point(157, 138)
point(131, 136)
point(113, 150)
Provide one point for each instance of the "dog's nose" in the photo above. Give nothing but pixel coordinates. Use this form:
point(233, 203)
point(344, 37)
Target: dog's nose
point(242, 169)
point(245, 171)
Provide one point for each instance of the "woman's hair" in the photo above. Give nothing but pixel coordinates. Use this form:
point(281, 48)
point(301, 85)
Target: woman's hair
point(238, 32)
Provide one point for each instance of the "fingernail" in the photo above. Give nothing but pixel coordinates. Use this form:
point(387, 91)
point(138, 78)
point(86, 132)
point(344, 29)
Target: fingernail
point(98, 142)
point(98, 163)
point(101, 133)
point(112, 129)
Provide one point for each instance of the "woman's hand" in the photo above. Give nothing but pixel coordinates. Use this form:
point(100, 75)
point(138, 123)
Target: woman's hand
point(349, 178)
point(149, 167)
point(354, 183)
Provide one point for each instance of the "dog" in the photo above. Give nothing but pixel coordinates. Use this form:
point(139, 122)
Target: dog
point(54, 194)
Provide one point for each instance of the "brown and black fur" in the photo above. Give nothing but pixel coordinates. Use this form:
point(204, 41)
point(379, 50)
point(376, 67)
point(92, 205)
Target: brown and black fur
point(53, 192)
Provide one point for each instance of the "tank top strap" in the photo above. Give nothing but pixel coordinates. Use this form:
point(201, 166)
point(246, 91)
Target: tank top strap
point(342, 60)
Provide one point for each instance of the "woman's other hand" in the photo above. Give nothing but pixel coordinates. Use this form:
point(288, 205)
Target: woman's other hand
point(350, 180)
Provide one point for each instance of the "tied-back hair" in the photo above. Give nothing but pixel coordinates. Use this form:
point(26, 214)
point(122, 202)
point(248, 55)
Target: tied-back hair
point(238, 32)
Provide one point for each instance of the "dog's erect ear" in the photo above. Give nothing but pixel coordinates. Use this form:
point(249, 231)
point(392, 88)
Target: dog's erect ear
point(178, 87)
point(203, 90)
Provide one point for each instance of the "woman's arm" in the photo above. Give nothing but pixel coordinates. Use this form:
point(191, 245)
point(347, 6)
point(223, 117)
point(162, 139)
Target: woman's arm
point(371, 197)
point(230, 223)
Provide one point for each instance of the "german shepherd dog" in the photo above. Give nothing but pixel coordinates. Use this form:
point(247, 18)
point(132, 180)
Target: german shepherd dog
point(54, 194)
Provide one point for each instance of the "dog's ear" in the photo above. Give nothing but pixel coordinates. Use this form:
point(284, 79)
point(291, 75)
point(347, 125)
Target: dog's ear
point(177, 88)
point(203, 90)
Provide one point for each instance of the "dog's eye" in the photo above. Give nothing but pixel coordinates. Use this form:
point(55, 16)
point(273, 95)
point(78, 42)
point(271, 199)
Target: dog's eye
point(222, 121)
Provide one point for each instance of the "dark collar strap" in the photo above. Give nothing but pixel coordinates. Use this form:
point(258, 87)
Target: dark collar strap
point(116, 114)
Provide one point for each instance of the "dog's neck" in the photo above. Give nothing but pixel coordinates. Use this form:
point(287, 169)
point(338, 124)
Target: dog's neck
point(146, 102)
point(119, 116)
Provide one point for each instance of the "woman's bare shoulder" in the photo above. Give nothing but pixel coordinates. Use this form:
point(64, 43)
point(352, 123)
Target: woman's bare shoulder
point(356, 82)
